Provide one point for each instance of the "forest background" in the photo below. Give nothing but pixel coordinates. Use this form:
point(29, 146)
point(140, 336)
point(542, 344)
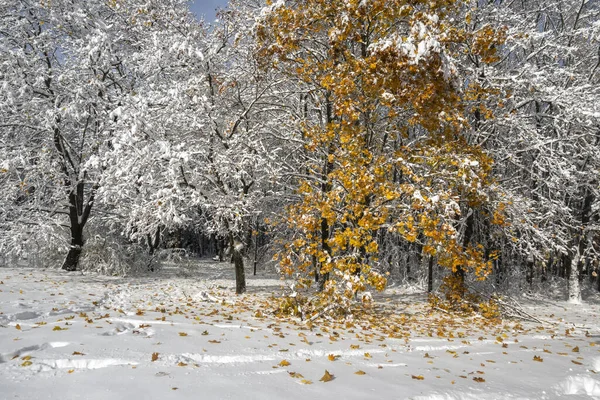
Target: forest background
point(343, 145)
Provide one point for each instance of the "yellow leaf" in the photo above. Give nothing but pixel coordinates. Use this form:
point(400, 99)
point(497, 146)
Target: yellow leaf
point(26, 358)
point(26, 364)
point(332, 357)
point(18, 327)
point(295, 375)
point(58, 328)
point(284, 363)
point(575, 349)
point(182, 364)
point(71, 371)
point(360, 372)
point(306, 382)
point(576, 362)
point(214, 341)
point(182, 334)
point(538, 359)
point(417, 377)
point(76, 353)
point(478, 379)
point(367, 355)
point(154, 357)
point(327, 377)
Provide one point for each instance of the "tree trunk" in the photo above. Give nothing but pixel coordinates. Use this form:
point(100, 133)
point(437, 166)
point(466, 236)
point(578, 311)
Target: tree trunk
point(72, 260)
point(530, 270)
point(499, 270)
point(574, 286)
point(238, 261)
point(579, 246)
point(78, 216)
point(324, 277)
point(430, 275)
point(256, 227)
point(153, 243)
point(221, 249)
point(460, 272)
point(326, 188)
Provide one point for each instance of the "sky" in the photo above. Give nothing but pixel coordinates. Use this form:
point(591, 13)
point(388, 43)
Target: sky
point(207, 8)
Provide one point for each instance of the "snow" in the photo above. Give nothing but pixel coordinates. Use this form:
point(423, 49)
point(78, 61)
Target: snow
point(75, 336)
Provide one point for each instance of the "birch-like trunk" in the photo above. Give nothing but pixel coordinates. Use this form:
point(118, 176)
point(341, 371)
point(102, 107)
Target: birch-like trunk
point(574, 287)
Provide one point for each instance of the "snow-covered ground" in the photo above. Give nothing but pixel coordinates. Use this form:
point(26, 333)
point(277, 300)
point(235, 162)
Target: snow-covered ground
point(183, 335)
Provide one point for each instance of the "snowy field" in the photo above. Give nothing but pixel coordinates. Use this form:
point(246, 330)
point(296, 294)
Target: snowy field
point(183, 335)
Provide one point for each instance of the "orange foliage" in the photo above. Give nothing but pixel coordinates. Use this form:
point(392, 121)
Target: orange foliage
point(391, 154)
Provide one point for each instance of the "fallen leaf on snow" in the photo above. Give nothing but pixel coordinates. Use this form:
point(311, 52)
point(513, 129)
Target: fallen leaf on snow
point(327, 377)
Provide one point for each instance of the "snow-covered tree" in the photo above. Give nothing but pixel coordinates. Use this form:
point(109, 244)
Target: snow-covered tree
point(545, 134)
point(201, 147)
point(65, 70)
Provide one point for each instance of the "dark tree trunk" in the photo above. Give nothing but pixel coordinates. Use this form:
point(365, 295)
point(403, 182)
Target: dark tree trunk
point(78, 217)
point(72, 260)
point(499, 270)
point(153, 243)
point(325, 188)
point(238, 261)
point(221, 249)
point(565, 266)
point(430, 275)
point(529, 271)
point(323, 278)
point(255, 235)
point(460, 272)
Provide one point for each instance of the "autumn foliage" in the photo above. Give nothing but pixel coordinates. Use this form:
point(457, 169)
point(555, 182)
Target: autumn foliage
point(384, 146)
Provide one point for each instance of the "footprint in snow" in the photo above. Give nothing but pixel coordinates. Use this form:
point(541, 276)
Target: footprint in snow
point(5, 357)
point(119, 329)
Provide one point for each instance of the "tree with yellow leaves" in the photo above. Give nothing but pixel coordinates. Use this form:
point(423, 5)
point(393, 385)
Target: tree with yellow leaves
point(383, 138)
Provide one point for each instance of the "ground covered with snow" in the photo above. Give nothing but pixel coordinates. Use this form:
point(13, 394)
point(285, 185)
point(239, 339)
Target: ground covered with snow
point(182, 334)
